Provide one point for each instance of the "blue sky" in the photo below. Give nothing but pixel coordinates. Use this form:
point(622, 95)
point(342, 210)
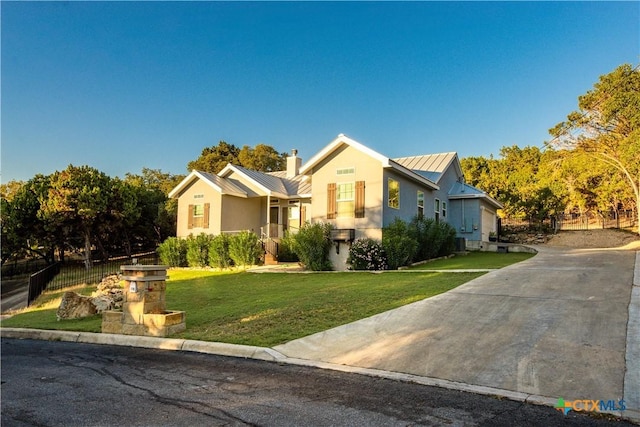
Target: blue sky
point(125, 85)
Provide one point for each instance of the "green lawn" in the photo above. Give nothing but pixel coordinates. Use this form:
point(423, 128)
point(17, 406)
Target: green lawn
point(475, 260)
point(269, 309)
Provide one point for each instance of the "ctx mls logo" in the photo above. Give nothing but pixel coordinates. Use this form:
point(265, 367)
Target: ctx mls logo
point(587, 405)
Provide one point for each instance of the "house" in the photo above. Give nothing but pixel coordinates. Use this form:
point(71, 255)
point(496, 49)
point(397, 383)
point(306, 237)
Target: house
point(358, 190)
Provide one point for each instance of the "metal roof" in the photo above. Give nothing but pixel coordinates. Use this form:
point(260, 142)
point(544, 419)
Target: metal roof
point(219, 184)
point(431, 166)
point(460, 190)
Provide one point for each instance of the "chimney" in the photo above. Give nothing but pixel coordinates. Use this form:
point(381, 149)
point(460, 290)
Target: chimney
point(293, 164)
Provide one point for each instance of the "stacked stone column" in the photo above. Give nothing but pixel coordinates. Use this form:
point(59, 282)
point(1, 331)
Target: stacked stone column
point(144, 308)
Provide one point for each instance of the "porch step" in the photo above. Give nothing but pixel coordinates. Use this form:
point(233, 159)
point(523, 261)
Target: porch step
point(269, 259)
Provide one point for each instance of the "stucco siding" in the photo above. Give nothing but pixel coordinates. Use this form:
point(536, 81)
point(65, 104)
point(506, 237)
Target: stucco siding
point(239, 214)
point(188, 197)
point(365, 168)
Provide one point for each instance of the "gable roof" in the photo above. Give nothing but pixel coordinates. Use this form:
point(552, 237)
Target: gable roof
point(299, 185)
point(269, 184)
point(431, 166)
point(460, 190)
point(221, 185)
point(384, 161)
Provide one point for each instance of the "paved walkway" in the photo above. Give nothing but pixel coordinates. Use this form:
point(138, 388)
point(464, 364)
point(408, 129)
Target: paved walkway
point(554, 325)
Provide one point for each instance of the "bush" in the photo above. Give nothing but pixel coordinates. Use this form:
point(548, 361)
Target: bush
point(434, 238)
point(219, 252)
point(427, 233)
point(173, 252)
point(286, 252)
point(245, 248)
point(312, 245)
point(198, 250)
point(399, 246)
point(367, 254)
point(448, 242)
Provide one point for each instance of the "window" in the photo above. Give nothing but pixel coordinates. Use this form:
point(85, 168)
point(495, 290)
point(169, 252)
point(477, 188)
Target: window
point(198, 216)
point(346, 171)
point(444, 210)
point(294, 212)
point(437, 210)
point(393, 196)
point(345, 200)
point(420, 203)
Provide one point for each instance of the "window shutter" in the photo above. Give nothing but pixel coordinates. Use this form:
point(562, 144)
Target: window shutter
point(359, 199)
point(331, 201)
point(303, 215)
point(205, 220)
point(190, 219)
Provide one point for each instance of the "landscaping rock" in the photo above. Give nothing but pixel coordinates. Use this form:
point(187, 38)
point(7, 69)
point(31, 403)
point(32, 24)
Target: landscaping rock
point(108, 296)
point(75, 306)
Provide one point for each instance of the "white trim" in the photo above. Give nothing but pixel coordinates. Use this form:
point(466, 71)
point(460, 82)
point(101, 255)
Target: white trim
point(385, 161)
point(197, 175)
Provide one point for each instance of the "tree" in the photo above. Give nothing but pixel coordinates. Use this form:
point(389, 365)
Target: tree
point(263, 158)
point(159, 213)
point(76, 198)
point(8, 190)
point(607, 128)
point(23, 231)
point(214, 159)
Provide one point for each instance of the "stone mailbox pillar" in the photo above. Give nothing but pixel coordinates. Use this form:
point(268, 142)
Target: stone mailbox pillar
point(144, 309)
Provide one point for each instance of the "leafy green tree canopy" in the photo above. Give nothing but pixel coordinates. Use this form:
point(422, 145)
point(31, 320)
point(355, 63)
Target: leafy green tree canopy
point(263, 158)
point(606, 127)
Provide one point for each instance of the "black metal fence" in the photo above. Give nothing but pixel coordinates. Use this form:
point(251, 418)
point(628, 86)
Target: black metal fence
point(573, 221)
point(71, 273)
point(23, 267)
point(38, 281)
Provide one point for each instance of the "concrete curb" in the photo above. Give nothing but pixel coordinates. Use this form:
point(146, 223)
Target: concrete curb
point(631, 391)
point(271, 355)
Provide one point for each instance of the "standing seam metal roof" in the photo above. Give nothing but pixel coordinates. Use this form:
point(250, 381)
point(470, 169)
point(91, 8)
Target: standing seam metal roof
point(433, 164)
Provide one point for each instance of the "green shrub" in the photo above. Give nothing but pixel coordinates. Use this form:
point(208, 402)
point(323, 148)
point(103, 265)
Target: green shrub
point(448, 242)
point(219, 251)
point(399, 246)
point(434, 238)
point(312, 245)
point(173, 252)
point(245, 248)
point(286, 252)
point(427, 233)
point(198, 250)
point(367, 254)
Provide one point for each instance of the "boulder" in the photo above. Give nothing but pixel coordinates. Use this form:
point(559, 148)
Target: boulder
point(74, 306)
point(108, 296)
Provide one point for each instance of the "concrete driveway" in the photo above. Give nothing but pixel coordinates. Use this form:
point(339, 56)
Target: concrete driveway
point(554, 325)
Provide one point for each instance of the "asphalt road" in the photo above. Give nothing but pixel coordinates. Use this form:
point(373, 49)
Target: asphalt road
point(70, 384)
point(14, 293)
